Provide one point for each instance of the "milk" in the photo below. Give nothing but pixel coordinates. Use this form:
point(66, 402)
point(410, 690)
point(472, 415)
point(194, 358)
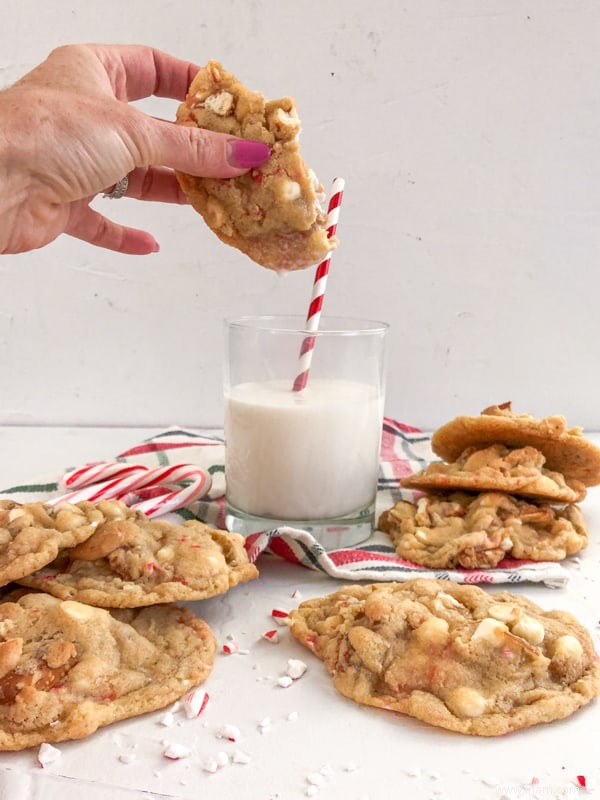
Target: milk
point(303, 455)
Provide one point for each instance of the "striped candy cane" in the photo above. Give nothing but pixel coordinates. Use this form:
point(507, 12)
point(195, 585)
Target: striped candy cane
point(122, 482)
point(318, 292)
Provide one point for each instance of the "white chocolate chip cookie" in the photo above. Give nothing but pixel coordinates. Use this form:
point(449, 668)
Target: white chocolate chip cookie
point(133, 561)
point(32, 534)
point(273, 213)
point(498, 468)
point(446, 531)
point(451, 655)
point(565, 449)
point(67, 669)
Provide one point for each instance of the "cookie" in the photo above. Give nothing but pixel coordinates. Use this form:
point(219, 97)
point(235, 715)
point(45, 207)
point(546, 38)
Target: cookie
point(477, 531)
point(273, 213)
point(133, 561)
point(499, 468)
point(67, 669)
point(32, 534)
point(565, 449)
point(451, 655)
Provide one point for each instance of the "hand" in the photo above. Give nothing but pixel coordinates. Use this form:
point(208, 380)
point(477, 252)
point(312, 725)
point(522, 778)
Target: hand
point(67, 132)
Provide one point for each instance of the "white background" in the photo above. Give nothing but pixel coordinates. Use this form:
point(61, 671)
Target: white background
point(467, 132)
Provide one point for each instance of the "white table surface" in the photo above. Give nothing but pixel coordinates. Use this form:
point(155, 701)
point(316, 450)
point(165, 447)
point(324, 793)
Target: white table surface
point(394, 756)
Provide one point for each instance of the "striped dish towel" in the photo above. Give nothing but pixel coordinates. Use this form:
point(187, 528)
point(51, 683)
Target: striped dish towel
point(404, 450)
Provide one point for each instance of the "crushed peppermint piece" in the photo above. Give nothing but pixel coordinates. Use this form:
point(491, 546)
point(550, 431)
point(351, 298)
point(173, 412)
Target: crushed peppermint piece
point(292, 716)
point(167, 719)
point(176, 751)
point(350, 767)
point(414, 772)
point(175, 707)
point(222, 758)
point(195, 702)
point(434, 776)
point(232, 647)
point(589, 784)
point(311, 791)
point(47, 754)
point(327, 770)
point(127, 758)
point(296, 668)
point(315, 779)
point(230, 732)
point(210, 765)
point(490, 781)
point(239, 757)
point(271, 636)
point(280, 616)
point(264, 724)
point(285, 681)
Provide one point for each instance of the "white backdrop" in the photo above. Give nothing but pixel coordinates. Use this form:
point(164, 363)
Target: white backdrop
point(467, 131)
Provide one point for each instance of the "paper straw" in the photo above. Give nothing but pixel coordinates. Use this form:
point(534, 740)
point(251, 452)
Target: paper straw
point(118, 481)
point(318, 293)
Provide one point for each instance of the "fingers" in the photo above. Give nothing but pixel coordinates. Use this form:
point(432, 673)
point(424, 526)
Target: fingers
point(200, 152)
point(92, 227)
point(155, 183)
point(136, 71)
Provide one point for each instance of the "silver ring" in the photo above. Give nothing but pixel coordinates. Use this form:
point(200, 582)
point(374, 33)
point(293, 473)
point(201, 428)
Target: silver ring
point(118, 189)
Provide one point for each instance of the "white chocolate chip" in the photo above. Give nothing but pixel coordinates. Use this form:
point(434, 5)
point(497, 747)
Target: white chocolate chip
point(286, 119)
point(220, 103)
point(290, 190)
point(15, 513)
point(490, 631)
point(433, 631)
point(79, 611)
point(505, 612)
point(568, 647)
point(165, 554)
point(529, 629)
point(421, 535)
point(466, 702)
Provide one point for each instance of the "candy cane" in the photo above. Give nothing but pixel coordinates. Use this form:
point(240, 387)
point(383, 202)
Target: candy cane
point(120, 482)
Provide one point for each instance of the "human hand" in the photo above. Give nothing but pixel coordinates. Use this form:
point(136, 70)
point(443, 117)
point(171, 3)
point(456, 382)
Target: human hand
point(67, 132)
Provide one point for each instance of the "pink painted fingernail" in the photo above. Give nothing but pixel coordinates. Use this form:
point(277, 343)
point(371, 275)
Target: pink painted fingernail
point(246, 153)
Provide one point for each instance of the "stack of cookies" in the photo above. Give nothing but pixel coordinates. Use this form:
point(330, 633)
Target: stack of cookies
point(97, 637)
point(508, 488)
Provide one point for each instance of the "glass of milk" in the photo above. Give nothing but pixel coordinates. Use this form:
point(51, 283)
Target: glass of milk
point(307, 459)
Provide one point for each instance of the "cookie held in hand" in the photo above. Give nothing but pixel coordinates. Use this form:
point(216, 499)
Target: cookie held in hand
point(67, 669)
point(272, 213)
point(451, 655)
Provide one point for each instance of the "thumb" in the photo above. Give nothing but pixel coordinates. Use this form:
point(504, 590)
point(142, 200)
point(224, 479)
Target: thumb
point(200, 152)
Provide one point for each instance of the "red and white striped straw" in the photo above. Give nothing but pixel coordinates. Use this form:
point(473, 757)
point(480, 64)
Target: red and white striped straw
point(318, 293)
